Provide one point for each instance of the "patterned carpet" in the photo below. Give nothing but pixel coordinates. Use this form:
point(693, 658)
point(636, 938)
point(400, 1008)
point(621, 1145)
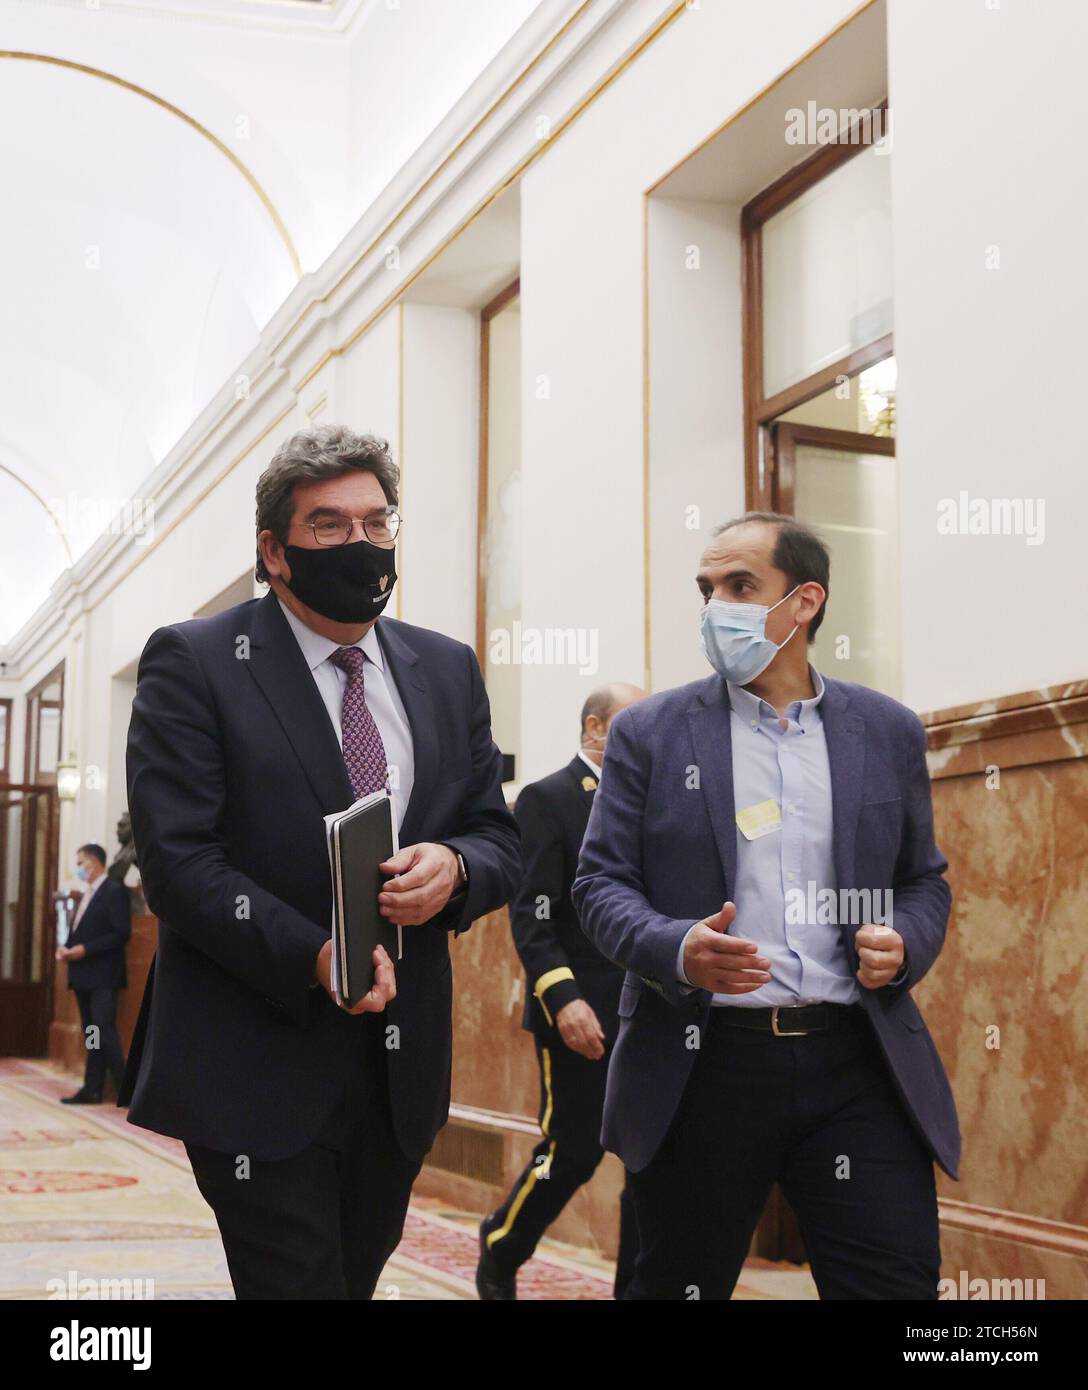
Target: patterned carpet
point(85, 1195)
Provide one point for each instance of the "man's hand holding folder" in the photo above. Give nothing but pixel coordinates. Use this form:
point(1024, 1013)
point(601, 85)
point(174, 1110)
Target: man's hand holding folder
point(357, 968)
point(378, 888)
point(383, 990)
point(426, 877)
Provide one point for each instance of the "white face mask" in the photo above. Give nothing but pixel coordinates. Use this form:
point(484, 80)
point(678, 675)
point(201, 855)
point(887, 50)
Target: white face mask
point(734, 639)
point(588, 745)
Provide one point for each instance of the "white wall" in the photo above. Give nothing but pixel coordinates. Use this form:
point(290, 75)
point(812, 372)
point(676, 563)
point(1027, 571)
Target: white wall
point(987, 154)
point(502, 546)
point(437, 556)
point(367, 396)
point(177, 575)
point(696, 415)
point(582, 288)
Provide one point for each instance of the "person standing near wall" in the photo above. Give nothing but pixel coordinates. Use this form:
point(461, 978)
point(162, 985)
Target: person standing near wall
point(95, 952)
point(306, 1122)
point(761, 1040)
point(570, 1008)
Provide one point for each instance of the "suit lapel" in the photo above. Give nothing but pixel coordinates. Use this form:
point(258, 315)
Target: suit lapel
point(581, 774)
point(844, 734)
point(415, 693)
point(708, 720)
point(277, 665)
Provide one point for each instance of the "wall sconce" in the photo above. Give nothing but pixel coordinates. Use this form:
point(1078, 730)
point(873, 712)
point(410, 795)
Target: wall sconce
point(67, 780)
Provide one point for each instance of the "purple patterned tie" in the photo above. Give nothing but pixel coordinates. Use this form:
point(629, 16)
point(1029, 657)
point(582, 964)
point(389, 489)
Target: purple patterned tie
point(364, 752)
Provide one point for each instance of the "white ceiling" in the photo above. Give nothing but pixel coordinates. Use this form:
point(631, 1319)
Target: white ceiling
point(167, 177)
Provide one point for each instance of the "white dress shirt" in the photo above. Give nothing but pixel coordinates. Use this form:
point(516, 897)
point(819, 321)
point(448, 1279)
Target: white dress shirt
point(591, 765)
point(88, 893)
point(382, 699)
point(790, 767)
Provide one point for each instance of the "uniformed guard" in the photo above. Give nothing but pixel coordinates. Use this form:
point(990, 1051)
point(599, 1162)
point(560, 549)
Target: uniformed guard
point(572, 996)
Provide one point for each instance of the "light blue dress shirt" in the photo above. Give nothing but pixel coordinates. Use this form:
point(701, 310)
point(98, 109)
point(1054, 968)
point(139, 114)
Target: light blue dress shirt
point(788, 765)
point(382, 698)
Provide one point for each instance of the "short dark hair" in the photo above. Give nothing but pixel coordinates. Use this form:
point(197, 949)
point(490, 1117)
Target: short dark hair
point(311, 456)
point(97, 850)
point(798, 552)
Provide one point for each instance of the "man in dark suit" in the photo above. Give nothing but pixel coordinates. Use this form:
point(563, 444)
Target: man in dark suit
point(570, 1008)
point(305, 1123)
point(747, 831)
point(95, 952)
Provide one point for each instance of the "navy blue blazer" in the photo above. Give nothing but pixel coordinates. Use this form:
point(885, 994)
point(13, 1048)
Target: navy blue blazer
point(659, 856)
point(232, 764)
point(103, 932)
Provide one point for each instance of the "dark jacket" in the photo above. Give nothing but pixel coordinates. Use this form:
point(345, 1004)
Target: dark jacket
point(560, 961)
point(232, 764)
point(660, 854)
point(103, 932)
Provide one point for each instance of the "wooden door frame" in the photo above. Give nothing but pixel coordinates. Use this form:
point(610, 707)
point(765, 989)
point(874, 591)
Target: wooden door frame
point(32, 750)
point(787, 436)
point(26, 1004)
point(761, 410)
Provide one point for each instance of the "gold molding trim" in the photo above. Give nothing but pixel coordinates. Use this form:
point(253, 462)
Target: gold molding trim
point(396, 217)
point(205, 491)
point(44, 506)
point(397, 297)
point(191, 121)
point(400, 429)
point(499, 100)
point(647, 193)
point(647, 587)
point(542, 147)
point(764, 91)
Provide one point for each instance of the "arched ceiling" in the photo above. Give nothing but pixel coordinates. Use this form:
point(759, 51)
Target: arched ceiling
point(160, 163)
point(138, 262)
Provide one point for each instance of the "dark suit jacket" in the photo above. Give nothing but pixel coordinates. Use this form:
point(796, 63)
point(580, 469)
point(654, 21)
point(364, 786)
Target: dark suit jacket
point(560, 961)
point(232, 763)
point(660, 855)
point(103, 932)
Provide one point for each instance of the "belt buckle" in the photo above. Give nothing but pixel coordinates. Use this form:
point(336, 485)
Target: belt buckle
point(778, 1032)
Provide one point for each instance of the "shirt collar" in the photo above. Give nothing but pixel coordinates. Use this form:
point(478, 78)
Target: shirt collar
point(93, 887)
point(317, 649)
point(752, 709)
point(591, 765)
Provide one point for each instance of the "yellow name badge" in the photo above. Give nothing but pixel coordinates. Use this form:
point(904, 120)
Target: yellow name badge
point(763, 819)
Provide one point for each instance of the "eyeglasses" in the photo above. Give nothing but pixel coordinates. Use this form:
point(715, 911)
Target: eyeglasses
point(380, 527)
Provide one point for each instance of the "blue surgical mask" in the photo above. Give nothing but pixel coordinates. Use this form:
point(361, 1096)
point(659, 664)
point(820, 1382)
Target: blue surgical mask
point(734, 640)
point(81, 872)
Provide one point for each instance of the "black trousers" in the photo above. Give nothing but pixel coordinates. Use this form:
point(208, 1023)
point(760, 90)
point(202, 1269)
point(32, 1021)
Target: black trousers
point(322, 1224)
point(571, 1104)
point(98, 1009)
point(817, 1114)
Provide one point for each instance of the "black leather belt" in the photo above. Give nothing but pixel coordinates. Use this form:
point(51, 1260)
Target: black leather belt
point(792, 1021)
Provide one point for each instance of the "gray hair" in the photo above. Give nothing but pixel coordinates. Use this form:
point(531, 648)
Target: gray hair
point(312, 456)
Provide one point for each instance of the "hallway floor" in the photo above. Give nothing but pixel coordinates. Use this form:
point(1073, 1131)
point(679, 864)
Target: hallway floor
point(85, 1195)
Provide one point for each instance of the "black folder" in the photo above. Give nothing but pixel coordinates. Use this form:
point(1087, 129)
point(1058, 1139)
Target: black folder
point(360, 838)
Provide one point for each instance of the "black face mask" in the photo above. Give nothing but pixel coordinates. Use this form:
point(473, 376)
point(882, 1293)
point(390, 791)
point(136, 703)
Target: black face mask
point(347, 583)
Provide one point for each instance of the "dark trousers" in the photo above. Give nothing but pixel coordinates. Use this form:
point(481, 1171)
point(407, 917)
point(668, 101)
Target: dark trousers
point(322, 1224)
point(571, 1103)
point(98, 1009)
point(818, 1114)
